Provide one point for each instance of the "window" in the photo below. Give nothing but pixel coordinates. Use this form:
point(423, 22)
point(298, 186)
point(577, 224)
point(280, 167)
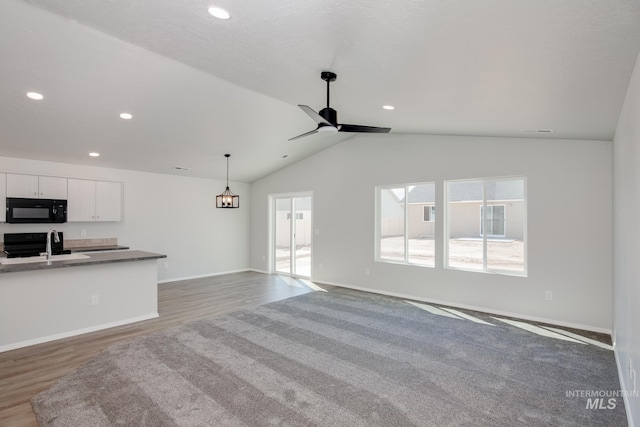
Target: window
point(429, 213)
point(405, 224)
point(485, 226)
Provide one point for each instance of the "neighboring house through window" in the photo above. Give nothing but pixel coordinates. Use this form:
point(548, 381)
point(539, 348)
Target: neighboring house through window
point(485, 227)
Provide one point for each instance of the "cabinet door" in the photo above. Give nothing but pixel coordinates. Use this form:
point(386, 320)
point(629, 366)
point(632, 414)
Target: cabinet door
point(108, 201)
point(3, 197)
point(22, 185)
point(51, 187)
point(81, 205)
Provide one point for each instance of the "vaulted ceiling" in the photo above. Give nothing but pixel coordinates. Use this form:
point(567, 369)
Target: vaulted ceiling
point(199, 87)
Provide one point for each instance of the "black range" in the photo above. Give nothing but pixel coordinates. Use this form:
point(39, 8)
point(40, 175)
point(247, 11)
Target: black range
point(31, 244)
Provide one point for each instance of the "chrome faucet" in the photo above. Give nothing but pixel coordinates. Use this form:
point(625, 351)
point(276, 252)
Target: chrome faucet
point(56, 239)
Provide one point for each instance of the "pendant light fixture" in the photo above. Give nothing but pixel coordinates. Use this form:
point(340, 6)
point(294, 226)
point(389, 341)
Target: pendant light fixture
point(227, 199)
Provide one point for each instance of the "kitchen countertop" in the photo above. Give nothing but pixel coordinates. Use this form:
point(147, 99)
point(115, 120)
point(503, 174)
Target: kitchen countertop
point(95, 258)
point(98, 248)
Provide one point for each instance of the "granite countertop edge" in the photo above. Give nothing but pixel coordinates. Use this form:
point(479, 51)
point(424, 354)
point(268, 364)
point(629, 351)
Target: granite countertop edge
point(94, 259)
point(97, 248)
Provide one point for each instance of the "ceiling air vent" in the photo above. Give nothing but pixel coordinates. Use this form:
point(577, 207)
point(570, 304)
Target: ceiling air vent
point(181, 168)
point(537, 130)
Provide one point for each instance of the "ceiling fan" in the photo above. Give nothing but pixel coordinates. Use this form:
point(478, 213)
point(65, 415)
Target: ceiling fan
point(327, 118)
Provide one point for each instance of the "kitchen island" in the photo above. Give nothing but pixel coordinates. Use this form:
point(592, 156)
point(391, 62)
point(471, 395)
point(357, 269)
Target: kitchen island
point(45, 301)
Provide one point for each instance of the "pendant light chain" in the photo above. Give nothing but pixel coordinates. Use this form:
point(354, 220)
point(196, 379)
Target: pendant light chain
point(227, 156)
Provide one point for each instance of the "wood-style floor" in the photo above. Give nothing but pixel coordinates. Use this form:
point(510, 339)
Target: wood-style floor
point(27, 371)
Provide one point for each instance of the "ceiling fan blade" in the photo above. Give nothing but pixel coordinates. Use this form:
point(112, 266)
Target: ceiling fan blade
point(315, 116)
point(363, 129)
point(303, 135)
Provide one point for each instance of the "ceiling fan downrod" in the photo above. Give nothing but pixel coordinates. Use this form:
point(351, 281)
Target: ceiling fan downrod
point(328, 77)
point(328, 113)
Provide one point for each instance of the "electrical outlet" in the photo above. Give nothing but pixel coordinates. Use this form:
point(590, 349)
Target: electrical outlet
point(320, 266)
point(264, 258)
point(95, 299)
point(166, 264)
point(548, 295)
point(366, 271)
point(83, 233)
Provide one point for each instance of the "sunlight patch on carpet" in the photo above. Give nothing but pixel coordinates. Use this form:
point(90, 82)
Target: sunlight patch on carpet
point(538, 330)
point(466, 316)
point(581, 338)
point(434, 310)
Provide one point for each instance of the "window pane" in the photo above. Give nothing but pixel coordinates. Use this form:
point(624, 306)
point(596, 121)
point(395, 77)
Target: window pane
point(392, 224)
point(464, 239)
point(420, 227)
point(302, 206)
point(506, 225)
point(283, 235)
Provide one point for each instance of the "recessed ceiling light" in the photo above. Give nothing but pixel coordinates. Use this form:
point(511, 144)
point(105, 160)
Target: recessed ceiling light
point(388, 107)
point(126, 116)
point(219, 13)
point(94, 154)
point(35, 96)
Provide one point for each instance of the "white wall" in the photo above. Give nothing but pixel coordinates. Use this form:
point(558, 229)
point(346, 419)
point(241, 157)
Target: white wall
point(167, 214)
point(569, 220)
point(626, 234)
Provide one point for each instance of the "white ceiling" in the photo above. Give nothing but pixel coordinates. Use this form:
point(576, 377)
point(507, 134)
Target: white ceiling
point(200, 87)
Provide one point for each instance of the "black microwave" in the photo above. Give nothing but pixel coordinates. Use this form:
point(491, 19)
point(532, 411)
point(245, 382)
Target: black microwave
point(25, 211)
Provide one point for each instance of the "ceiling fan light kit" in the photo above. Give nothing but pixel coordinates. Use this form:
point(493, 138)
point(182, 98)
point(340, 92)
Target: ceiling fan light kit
point(328, 129)
point(327, 118)
point(227, 199)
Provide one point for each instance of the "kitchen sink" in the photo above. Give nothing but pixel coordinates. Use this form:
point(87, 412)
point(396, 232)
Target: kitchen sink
point(41, 258)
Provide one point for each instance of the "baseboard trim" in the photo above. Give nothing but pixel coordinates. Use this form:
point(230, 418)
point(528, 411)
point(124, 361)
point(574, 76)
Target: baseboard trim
point(625, 393)
point(474, 308)
point(201, 276)
point(68, 334)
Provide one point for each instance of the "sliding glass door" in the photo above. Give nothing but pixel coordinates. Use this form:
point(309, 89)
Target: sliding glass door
point(292, 235)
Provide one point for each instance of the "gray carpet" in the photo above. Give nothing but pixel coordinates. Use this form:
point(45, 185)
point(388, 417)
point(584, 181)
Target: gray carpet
point(342, 358)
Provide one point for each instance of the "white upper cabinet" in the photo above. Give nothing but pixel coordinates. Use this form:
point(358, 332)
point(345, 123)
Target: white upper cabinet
point(52, 187)
point(22, 186)
point(94, 200)
point(81, 203)
point(36, 187)
point(108, 201)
